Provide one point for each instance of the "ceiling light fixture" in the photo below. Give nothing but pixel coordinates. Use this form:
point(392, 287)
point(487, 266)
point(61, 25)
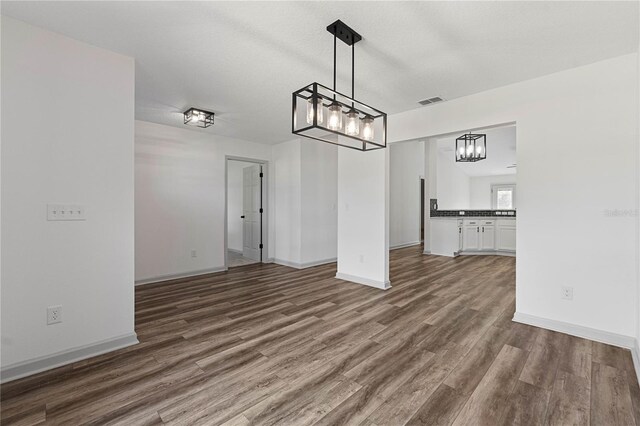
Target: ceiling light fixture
point(471, 147)
point(198, 117)
point(326, 115)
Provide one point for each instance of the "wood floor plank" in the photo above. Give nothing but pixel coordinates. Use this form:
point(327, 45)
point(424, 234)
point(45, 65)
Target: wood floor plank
point(267, 344)
point(610, 400)
point(542, 364)
point(486, 403)
point(527, 405)
point(440, 409)
point(569, 403)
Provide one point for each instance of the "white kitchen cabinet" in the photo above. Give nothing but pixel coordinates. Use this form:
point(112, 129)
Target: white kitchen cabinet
point(471, 235)
point(454, 236)
point(487, 235)
point(446, 237)
point(506, 235)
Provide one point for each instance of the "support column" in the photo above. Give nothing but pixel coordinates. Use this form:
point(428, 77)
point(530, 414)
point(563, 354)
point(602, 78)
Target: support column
point(363, 217)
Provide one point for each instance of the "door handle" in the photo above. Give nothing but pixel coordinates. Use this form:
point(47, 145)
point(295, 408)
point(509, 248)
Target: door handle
point(242, 217)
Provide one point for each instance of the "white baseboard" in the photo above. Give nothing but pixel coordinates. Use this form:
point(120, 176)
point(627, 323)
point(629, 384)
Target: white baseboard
point(180, 275)
point(305, 264)
point(620, 340)
point(488, 253)
point(635, 354)
point(383, 285)
point(234, 251)
point(403, 245)
point(441, 254)
point(426, 252)
point(48, 362)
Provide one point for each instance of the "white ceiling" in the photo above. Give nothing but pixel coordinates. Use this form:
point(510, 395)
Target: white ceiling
point(501, 152)
point(242, 60)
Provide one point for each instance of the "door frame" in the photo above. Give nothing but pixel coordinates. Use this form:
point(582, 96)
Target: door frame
point(265, 205)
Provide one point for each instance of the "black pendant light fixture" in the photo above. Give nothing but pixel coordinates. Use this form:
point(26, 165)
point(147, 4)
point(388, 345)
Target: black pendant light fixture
point(198, 117)
point(471, 147)
point(329, 116)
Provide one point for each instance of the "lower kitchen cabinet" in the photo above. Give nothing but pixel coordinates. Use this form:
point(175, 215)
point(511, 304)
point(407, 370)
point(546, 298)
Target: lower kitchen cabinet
point(470, 235)
point(487, 235)
point(506, 235)
point(451, 236)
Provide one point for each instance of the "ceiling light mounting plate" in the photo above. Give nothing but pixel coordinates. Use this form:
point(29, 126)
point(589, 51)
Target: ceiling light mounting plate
point(344, 32)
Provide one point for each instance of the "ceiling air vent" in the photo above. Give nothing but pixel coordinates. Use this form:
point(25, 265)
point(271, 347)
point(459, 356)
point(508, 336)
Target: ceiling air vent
point(431, 100)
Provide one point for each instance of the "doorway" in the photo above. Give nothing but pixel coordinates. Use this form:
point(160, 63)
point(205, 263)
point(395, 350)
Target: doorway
point(245, 212)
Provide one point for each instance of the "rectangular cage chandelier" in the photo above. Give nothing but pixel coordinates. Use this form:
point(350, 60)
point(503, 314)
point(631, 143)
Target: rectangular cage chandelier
point(471, 147)
point(327, 115)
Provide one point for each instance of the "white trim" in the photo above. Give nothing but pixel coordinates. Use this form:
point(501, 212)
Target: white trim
point(234, 251)
point(48, 362)
point(635, 354)
point(169, 277)
point(403, 245)
point(488, 253)
point(601, 336)
point(383, 285)
point(454, 254)
point(304, 265)
point(426, 252)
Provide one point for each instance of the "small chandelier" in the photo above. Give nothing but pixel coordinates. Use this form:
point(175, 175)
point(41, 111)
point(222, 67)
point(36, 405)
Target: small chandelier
point(329, 116)
point(471, 147)
point(198, 117)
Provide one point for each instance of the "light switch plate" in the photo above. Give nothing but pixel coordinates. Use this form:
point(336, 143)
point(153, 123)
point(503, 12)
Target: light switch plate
point(65, 212)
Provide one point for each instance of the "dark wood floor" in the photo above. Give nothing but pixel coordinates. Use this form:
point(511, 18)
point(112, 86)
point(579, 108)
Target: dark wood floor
point(266, 344)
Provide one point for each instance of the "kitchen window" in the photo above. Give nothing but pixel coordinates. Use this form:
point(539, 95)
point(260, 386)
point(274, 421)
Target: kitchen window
point(503, 197)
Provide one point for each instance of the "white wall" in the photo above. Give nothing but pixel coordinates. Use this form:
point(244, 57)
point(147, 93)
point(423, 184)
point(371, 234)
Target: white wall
point(180, 193)
point(480, 190)
point(453, 185)
point(577, 133)
point(306, 174)
point(235, 200)
point(67, 137)
point(406, 167)
point(319, 198)
point(288, 208)
point(363, 217)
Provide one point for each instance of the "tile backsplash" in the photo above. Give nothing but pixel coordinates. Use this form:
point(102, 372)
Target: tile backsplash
point(462, 213)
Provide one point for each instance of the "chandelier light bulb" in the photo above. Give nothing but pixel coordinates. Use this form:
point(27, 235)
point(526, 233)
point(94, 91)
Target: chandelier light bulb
point(310, 112)
point(334, 120)
point(352, 128)
point(367, 128)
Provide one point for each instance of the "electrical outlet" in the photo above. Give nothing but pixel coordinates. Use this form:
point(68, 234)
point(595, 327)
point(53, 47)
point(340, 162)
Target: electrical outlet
point(54, 314)
point(194, 253)
point(567, 293)
point(57, 212)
